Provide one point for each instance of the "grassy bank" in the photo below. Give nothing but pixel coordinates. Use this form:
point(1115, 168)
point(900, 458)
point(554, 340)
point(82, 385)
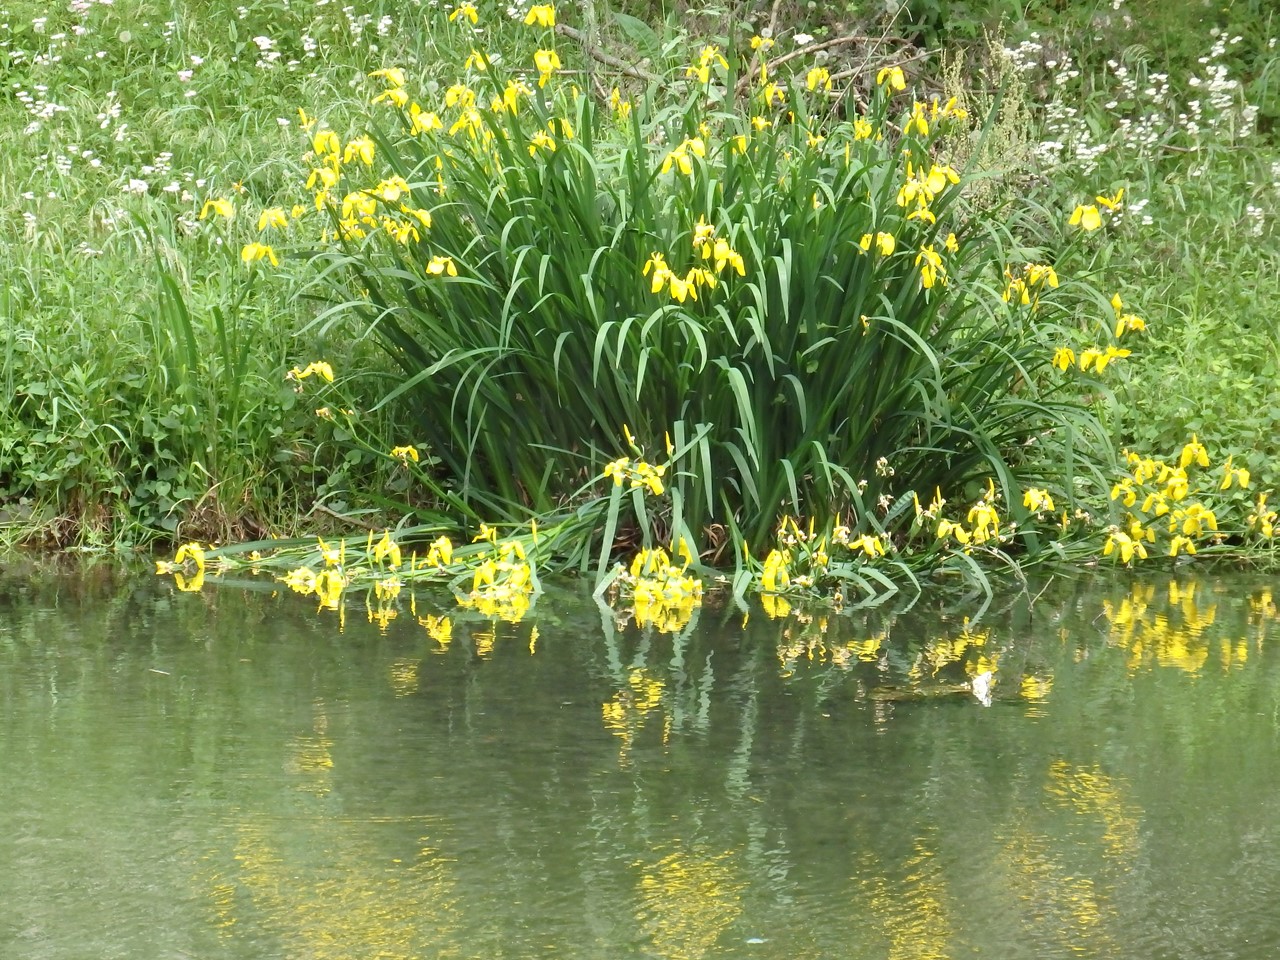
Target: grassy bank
point(150, 338)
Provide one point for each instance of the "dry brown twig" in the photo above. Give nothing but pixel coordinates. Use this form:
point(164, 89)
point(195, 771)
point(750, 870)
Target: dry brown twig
point(608, 59)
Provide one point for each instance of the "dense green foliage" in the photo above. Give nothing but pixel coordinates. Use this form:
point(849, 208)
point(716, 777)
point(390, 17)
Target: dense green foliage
point(758, 295)
point(145, 364)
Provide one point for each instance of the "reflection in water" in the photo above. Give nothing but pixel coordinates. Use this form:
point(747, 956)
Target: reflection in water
point(688, 898)
point(1174, 627)
point(1057, 905)
point(311, 757)
point(625, 715)
point(912, 908)
point(184, 777)
point(332, 897)
point(403, 676)
point(1091, 793)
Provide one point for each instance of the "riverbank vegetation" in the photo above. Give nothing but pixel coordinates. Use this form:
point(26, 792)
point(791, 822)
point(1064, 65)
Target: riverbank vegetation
point(814, 299)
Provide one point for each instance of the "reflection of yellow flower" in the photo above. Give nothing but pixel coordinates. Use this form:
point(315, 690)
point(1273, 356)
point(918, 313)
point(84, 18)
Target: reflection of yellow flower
point(328, 587)
point(439, 629)
point(1036, 688)
point(775, 607)
point(189, 586)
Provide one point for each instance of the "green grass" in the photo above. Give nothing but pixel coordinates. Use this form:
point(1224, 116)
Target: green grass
point(144, 365)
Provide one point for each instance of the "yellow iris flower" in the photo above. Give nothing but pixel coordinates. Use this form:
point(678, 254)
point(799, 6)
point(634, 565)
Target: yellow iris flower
point(893, 76)
point(1085, 217)
point(258, 251)
point(547, 62)
point(219, 206)
point(541, 14)
point(464, 9)
point(439, 266)
point(818, 77)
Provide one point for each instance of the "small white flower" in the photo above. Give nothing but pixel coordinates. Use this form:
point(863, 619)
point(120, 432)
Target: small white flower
point(802, 39)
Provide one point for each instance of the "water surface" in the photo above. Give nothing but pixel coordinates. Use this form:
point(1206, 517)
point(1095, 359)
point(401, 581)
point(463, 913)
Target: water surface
point(233, 774)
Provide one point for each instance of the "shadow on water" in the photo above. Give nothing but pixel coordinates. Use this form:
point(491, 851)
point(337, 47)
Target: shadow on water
point(231, 774)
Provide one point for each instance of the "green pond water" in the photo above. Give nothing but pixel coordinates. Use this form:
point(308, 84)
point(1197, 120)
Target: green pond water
point(232, 774)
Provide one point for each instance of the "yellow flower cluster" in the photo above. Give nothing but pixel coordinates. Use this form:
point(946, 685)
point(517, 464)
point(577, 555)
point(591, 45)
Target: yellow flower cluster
point(1025, 286)
point(681, 157)
point(1037, 500)
point(801, 560)
point(712, 249)
point(637, 473)
point(1097, 358)
point(884, 243)
point(547, 62)
point(1126, 322)
point(540, 14)
point(1155, 490)
point(663, 594)
point(502, 585)
point(709, 57)
point(189, 556)
point(1263, 519)
point(318, 368)
point(921, 188)
point(818, 77)
point(893, 76)
point(983, 521)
